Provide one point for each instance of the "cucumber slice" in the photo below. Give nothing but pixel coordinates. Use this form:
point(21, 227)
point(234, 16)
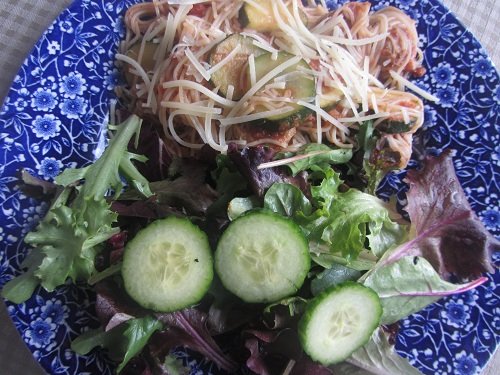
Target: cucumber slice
point(262, 257)
point(168, 265)
point(231, 73)
point(339, 321)
point(300, 86)
point(261, 18)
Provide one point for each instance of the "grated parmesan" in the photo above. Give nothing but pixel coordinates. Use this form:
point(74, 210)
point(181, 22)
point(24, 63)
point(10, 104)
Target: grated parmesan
point(403, 81)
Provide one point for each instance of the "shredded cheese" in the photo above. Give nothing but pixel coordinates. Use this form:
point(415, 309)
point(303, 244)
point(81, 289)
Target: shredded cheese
point(265, 47)
point(319, 131)
point(197, 65)
point(259, 84)
point(196, 86)
point(277, 163)
point(321, 112)
point(251, 69)
point(406, 117)
point(230, 92)
point(403, 81)
point(374, 103)
point(190, 107)
point(363, 118)
point(225, 60)
point(255, 116)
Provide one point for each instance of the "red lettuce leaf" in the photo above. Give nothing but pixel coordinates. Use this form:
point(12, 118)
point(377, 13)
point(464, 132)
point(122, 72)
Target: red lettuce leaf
point(279, 352)
point(447, 232)
point(188, 328)
point(112, 300)
point(259, 180)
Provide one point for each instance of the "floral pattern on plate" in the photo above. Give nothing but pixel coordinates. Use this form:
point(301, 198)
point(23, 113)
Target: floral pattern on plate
point(53, 119)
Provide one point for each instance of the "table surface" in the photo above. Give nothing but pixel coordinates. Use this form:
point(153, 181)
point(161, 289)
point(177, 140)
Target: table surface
point(23, 21)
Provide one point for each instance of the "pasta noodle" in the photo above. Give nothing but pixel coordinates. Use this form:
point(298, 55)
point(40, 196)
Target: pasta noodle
point(361, 58)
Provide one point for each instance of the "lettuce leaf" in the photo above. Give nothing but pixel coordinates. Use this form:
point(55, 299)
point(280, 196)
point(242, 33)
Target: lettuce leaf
point(188, 328)
point(445, 230)
point(71, 234)
point(317, 155)
point(347, 221)
point(124, 341)
point(287, 200)
point(409, 285)
point(334, 275)
point(377, 357)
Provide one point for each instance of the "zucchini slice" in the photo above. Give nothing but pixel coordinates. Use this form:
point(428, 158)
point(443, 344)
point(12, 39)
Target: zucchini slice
point(330, 97)
point(395, 126)
point(339, 321)
point(261, 17)
point(298, 84)
point(232, 72)
point(147, 59)
point(262, 257)
point(168, 265)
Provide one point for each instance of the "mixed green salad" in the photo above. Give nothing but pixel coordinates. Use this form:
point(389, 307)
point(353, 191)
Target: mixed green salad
point(291, 269)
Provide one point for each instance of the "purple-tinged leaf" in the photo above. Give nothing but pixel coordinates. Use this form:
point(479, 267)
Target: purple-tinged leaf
point(410, 284)
point(259, 180)
point(188, 328)
point(447, 232)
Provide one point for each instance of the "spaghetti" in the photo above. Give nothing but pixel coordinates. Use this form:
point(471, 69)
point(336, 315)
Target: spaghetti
point(359, 62)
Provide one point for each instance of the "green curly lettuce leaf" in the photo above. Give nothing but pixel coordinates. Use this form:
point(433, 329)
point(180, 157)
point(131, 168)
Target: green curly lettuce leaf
point(348, 222)
point(67, 240)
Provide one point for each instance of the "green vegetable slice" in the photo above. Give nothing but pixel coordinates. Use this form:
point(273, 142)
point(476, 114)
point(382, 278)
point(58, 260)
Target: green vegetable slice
point(339, 321)
point(299, 85)
point(231, 73)
point(262, 257)
point(261, 17)
point(168, 265)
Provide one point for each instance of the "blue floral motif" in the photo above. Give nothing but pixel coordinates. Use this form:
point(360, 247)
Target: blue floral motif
point(55, 311)
point(491, 218)
point(443, 75)
point(483, 68)
point(447, 96)
point(441, 366)
point(53, 47)
point(456, 313)
point(72, 85)
point(73, 108)
point(44, 100)
point(52, 119)
point(46, 126)
point(405, 4)
point(113, 76)
point(465, 364)
point(49, 167)
point(66, 26)
point(41, 332)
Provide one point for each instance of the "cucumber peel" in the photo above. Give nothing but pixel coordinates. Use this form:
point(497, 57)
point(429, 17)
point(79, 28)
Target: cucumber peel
point(339, 321)
point(262, 257)
point(168, 265)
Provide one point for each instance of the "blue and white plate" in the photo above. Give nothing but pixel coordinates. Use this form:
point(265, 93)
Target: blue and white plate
point(53, 118)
